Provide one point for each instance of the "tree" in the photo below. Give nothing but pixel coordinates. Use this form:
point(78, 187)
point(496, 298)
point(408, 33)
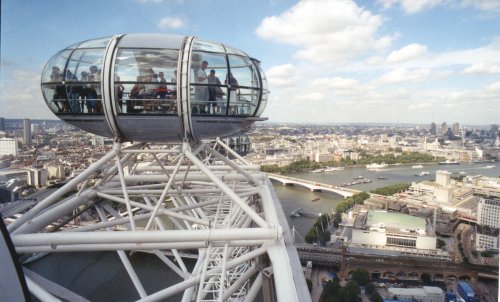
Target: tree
point(361, 276)
point(324, 237)
point(440, 244)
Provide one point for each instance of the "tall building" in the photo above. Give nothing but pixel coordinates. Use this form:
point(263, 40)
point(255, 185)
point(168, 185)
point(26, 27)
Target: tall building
point(455, 129)
point(37, 177)
point(433, 128)
point(8, 146)
point(27, 131)
point(494, 131)
point(444, 128)
point(2, 124)
point(488, 214)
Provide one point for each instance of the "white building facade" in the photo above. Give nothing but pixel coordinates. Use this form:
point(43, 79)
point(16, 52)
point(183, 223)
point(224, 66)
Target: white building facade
point(423, 294)
point(8, 146)
point(488, 214)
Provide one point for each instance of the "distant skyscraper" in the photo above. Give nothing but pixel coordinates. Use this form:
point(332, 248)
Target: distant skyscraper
point(27, 131)
point(444, 128)
point(433, 128)
point(455, 128)
point(494, 131)
point(2, 124)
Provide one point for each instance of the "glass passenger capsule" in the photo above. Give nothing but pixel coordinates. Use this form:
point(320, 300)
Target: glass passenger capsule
point(155, 88)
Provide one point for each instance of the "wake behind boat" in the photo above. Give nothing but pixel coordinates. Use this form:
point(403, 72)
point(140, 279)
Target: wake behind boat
point(376, 167)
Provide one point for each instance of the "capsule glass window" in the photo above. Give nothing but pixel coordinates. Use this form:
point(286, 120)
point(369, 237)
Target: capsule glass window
point(244, 86)
point(145, 81)
point(265, 91)
point(53, 83)
point(208, 90)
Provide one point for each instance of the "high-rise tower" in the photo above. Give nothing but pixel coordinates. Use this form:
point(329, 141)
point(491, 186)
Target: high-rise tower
point(433, 128)
point(444, 128)
point(27, 131)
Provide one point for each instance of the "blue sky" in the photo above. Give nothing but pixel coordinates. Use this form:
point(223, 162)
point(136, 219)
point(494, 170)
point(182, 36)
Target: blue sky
point(329, 61)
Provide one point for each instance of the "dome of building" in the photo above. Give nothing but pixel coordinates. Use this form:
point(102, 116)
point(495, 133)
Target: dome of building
point(155, 88)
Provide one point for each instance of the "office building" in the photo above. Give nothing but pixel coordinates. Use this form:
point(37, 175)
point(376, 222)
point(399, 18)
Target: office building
point(8, 146)
point(488, 214)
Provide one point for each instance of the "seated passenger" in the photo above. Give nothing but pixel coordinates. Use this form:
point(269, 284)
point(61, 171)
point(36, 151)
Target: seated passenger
point(136, 95)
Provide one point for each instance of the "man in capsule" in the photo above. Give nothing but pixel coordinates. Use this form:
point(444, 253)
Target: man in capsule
point(201, 92)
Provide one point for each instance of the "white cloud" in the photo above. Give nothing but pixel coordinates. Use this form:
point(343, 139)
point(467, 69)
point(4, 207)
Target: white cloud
point(407, 53)
point(326, 31)
point(171, 22)
point(282, 75)
point(482, 68)
point(495, 87)
point(485, 5)
point(28, 100)
point(335, 83)
point(412, 6)
point(405, 75)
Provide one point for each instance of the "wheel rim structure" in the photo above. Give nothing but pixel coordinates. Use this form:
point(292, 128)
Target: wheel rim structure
point(168, 200)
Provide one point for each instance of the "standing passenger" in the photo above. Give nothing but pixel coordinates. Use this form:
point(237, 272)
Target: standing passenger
point(201, 92)
point(214, 90)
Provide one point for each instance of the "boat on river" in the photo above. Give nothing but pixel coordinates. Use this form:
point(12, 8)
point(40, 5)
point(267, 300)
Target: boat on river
point(417, 167)
point(449, 162)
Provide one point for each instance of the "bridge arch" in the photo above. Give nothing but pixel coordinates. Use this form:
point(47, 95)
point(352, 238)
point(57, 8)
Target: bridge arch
point(376, 275)
point(401, 275)
point(414, 276)
point(464, 278)
point(312, 185)
point(388, 275)
point(438, 277)
point(451, 278)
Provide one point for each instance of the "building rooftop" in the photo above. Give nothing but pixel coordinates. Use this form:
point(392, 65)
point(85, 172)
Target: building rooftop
point(395, 220)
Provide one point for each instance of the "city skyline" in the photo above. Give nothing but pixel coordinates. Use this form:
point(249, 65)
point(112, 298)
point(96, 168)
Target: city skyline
point(326, 61)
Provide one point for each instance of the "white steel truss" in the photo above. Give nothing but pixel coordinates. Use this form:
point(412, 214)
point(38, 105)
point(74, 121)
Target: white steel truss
point(166, 200)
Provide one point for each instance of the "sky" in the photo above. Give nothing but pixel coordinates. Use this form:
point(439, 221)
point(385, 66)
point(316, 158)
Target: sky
point(327, 61)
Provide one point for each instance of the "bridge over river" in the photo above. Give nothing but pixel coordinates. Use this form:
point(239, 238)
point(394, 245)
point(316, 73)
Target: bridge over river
point(313, 185)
